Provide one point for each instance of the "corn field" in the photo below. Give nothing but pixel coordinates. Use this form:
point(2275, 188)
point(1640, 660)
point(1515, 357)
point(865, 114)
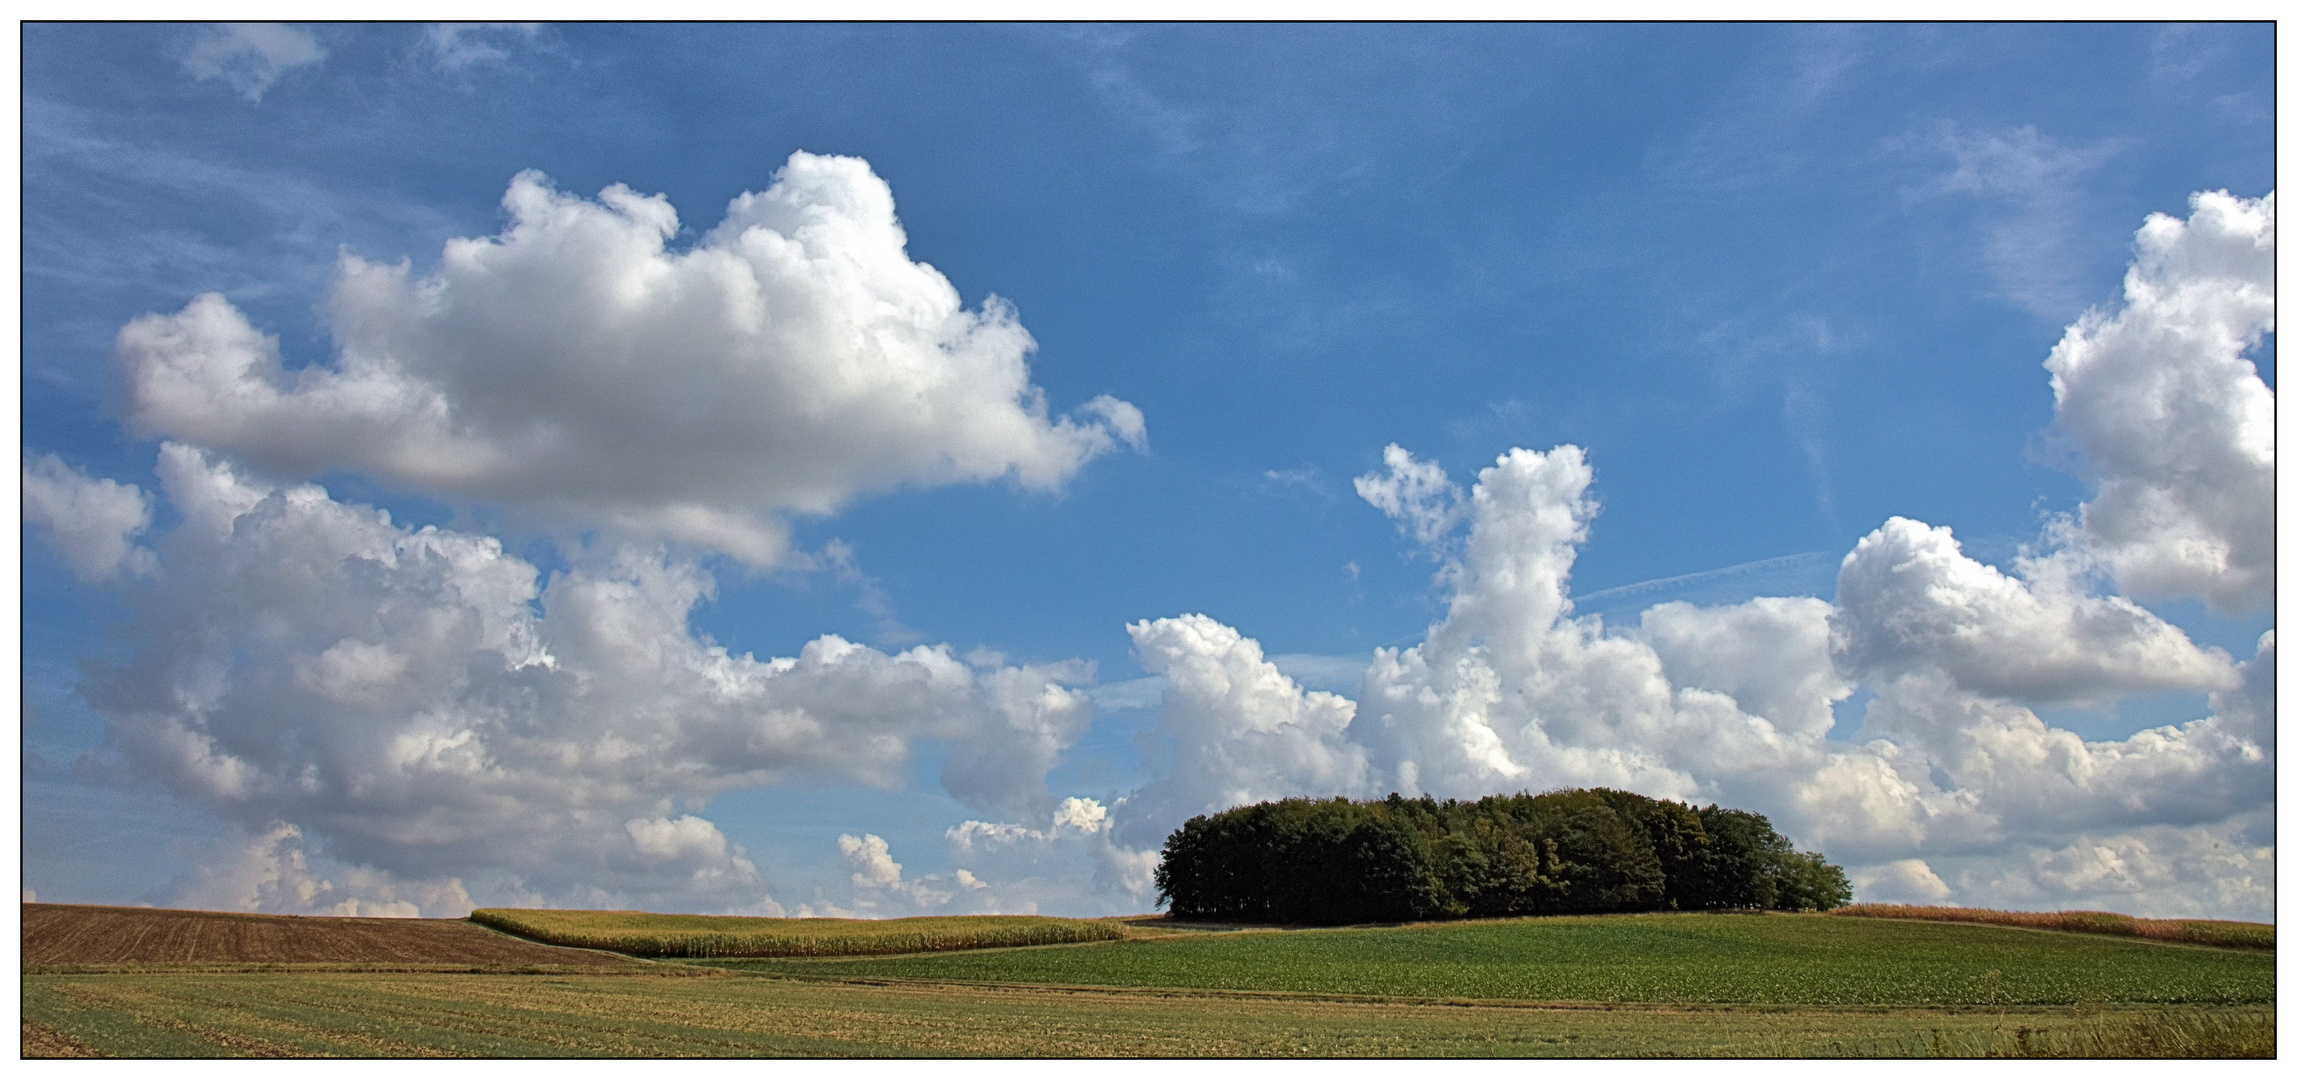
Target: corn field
point(2190, 931)
point(702, 937)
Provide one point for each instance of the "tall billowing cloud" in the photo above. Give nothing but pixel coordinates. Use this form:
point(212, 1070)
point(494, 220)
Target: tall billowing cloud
point(1957, 789)
point(2173, 423)
point(578, 369)
point(1512, 690)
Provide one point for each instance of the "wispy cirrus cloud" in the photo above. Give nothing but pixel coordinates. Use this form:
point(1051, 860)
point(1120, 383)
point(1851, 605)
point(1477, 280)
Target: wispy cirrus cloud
point(2030, 184)
point(250, 58)
point(459, 47)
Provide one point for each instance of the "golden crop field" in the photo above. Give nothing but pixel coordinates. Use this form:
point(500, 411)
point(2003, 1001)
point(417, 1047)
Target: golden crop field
point(640, 933)
point(2190, 931)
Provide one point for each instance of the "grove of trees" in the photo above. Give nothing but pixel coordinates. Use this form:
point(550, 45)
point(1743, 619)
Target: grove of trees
point(1332, 861)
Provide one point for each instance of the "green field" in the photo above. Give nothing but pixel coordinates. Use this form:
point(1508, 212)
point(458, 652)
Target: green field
point(640, 933)
point(1650, 959)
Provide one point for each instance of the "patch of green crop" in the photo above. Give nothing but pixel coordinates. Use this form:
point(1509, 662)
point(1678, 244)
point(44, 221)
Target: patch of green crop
point(699, 936)
point(1804, 960)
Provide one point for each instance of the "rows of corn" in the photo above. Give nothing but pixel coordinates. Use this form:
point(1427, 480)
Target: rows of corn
point(700, 937)
point(2190, 931)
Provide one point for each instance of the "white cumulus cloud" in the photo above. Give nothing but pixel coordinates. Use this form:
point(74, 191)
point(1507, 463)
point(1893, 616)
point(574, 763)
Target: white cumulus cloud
point(90, 523)
point(1511, 691)
point(2216, 871)
point(576, 368)
point(1074, 815)
point(872, 861)
point(2022, 779)
point(272, 871)
point(1073, 865)
point(1769, 655)
point(2174, 425)
point(1908, 598)
point(421, 702)
point(1242, 730)
point(1905, 881)
point(1414, 492)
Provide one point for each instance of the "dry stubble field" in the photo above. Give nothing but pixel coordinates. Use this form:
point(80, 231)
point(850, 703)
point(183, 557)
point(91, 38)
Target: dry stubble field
point(84, 938)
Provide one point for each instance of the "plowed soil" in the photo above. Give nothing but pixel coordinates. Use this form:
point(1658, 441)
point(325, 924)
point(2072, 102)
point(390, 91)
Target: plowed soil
point(75, 934)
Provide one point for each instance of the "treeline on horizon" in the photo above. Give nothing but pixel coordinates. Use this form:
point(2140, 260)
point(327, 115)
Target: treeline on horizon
point(1577, 851)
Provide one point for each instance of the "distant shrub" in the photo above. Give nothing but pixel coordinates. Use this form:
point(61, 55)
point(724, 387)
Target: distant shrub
point(1334, 861)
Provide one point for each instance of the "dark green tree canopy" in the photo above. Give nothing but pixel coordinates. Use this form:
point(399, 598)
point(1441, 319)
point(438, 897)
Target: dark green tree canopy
point(1332, 861)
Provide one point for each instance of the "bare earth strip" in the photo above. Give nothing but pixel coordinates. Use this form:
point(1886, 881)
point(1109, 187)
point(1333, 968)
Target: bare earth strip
point(486, 1015)
point(81, 936)
point(45, 1042)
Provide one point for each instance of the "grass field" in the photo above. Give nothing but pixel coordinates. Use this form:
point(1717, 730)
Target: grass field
point(458, 1015)
point(1671, 985)
point(644, 934)
point(1810, 960)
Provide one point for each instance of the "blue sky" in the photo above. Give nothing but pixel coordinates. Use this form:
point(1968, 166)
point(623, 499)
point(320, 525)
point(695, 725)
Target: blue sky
point(1778, 285)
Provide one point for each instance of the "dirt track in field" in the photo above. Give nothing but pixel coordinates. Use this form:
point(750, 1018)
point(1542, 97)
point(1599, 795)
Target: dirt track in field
point(59, 934)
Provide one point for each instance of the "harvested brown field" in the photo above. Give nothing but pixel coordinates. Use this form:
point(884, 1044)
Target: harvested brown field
point(75, 936)
point(2190, 931)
